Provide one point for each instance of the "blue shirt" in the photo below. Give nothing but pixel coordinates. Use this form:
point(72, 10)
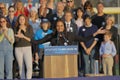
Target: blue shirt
point(87, 31)
point(35, 25)
point(41, 34)
point(107, 48)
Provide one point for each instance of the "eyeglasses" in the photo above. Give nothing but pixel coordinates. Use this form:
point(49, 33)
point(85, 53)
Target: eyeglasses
point(2, 21)
point(11, 11)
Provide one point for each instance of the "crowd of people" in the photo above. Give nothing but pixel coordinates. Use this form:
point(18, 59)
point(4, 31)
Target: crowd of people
point(26, 30)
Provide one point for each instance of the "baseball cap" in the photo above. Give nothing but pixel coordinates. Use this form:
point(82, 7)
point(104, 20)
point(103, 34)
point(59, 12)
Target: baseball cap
point(45, 20)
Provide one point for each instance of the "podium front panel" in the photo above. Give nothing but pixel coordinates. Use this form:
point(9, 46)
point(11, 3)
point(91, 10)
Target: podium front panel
point(60, 66)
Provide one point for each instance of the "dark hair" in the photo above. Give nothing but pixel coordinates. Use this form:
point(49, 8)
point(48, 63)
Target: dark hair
point(11, 7)
point(8, 24)
point(86, 17)
point(100, 3)
point(79, 8)
point(87, 3)
point(60, 20)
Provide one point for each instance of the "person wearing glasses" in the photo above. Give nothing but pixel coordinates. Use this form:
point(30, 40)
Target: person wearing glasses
point(6, 49)
point(11, 18)
point(3, 9)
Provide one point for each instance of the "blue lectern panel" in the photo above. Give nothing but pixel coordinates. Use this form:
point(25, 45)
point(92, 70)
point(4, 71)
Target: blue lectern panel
point(61, 50)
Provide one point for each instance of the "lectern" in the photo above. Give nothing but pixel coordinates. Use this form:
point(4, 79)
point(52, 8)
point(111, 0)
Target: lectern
point(60, 62)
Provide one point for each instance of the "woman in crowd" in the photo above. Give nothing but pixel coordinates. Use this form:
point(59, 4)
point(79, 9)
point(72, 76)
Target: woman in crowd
point(23, 34)
point(34, 21)
point(6, 49)
point(79, 17)
point(110, 21)
point(19, 8)
point(88, 9)
point(11, 18)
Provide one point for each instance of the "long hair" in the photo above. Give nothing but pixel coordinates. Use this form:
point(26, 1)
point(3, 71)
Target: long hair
point(26, 21)
point(22, 9)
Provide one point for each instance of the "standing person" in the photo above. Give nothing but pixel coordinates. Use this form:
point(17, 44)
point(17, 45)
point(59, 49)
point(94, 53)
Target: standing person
point(88, 48)
point(23, 34)
point(19, 9)
point(59, 14)
point(99, 20)
point(79, 17)
point(88, 9)
point(41, 33)
point(44, 11)
point(107, 51)
point(10, 17)
point(34, 21)
point(3, 9)
point(12, 20)
point(6, 49)
point(70, 24)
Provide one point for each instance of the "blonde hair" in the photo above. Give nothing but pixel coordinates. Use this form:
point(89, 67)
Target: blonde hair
point(112, 18)
point(16, 4)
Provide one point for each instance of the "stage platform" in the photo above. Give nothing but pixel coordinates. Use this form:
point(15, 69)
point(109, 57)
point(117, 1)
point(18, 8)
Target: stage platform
point(84, 78)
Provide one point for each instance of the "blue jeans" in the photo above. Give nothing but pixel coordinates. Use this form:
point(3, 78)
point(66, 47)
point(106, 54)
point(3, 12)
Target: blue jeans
point(88, 62)
point(6, 61)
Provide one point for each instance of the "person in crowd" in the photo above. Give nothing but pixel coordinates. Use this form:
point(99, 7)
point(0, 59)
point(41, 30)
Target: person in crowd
point(3, 9)
point(88, 48)
point(99, 20)
point(29, 4)
point(12, 21)
point(19, 9)
point(34, 21)
point(41, 33)
point(109, 26)
point(88, 9)
point(23, 34)
point(6, 49)
point(10, 17)
point(61, 37)
point(44, 11)
point(107, 51)
point(59, 14)
point(70, 24)
point(70, 6)
point(79, 17)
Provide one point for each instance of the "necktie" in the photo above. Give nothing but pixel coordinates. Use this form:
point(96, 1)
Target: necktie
point(68, 28)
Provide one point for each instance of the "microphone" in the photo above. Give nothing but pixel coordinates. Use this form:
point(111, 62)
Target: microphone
point(66, 40)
